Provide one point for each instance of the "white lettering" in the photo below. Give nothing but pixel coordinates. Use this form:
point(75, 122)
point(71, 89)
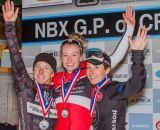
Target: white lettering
point(114, 119)
point(40, 30)
point(97, 23)
point(63, 30)
point(52, 29)
point(157, 21)
point(118, 23)
point(83, 28)
point(49, 29)
point(145, 16)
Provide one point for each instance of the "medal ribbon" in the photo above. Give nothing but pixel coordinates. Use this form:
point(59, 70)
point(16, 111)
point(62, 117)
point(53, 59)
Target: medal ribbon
point(96, 90)
point(66, 94)
point(45, 106)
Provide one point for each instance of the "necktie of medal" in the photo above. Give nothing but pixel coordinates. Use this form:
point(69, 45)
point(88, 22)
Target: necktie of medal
point(99, 86)
point(45, 104)
point(66, 91)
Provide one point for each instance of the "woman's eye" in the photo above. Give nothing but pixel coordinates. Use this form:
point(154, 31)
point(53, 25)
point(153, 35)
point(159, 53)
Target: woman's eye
point(64, 55)
point(97, 67)
point(46, 68)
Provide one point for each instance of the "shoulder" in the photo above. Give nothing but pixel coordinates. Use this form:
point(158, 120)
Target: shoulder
point(83, 73)
point(57, 79)
point(115, 86)
point(58, 74)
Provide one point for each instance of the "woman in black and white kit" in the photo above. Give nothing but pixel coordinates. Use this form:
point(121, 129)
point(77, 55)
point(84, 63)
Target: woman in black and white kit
point(109, 98)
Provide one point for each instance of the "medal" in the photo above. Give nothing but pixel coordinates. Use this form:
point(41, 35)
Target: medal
point(64, 113)
point(45, 104)
point(67, 91)
point(43, 125)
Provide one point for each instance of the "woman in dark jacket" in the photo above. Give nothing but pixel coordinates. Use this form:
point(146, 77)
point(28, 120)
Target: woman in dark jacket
point(108, 100)
point(35, 96)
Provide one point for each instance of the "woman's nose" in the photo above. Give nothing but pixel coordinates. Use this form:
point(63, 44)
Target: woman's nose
point(91, 71)
point(41, 70)
point(69, 58)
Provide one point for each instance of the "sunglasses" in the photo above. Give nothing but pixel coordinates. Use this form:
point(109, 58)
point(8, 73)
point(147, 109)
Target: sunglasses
point(98, 54)
point(72, 41)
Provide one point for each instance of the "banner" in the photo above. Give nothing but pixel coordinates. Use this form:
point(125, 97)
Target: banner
point(97, 25)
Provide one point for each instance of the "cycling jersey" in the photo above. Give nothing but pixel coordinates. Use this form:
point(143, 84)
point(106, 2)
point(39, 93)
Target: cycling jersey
point(110, 109)
point(77, 105)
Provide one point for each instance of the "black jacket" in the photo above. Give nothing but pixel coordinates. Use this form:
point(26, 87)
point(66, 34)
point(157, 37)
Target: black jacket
point(110, 111)
point(30, 109)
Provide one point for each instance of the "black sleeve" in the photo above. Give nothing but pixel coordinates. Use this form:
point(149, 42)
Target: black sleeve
point(19, 71)
point(137, 81)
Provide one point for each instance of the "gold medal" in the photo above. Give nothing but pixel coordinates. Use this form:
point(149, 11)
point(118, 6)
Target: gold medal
point(64, 113)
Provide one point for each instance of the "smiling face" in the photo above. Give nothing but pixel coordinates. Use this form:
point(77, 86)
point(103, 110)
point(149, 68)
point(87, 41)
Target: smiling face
point(96, 73)
point(43, 72)
point(70, 57)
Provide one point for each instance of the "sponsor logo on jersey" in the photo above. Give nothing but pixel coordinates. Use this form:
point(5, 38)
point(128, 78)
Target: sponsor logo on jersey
point(99, 96)
point(114, 119)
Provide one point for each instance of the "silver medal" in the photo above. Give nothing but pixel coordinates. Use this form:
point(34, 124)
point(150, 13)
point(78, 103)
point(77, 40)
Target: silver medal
point(44, 125)
point(64, 113)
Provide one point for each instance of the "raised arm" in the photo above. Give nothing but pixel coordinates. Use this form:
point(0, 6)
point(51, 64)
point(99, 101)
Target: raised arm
point(122, 47)
point(138, 78)
point(10, 15)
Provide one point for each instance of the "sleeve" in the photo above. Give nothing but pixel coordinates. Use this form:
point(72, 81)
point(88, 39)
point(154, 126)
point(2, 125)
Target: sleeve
point(19, 71)
point(136, 82)
point(122, 47)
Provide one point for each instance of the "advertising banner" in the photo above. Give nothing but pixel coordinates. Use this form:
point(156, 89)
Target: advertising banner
point(92, 25)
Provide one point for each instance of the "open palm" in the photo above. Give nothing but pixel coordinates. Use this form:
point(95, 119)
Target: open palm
point(129, 16)
point(141, 39)
point(9, 14)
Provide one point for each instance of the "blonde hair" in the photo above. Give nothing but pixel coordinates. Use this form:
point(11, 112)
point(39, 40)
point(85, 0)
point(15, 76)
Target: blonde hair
point(76, 37)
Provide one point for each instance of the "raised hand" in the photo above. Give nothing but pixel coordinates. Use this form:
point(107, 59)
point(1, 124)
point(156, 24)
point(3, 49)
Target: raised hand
point(141, 39)
point(9, 14)
point(129, 16)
